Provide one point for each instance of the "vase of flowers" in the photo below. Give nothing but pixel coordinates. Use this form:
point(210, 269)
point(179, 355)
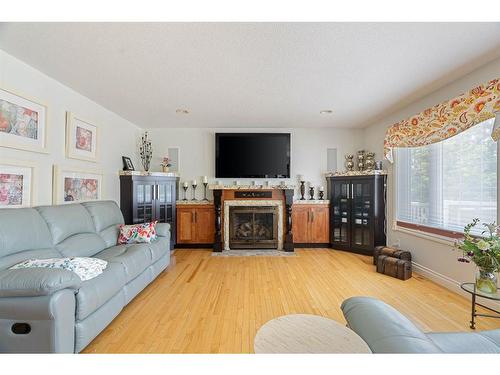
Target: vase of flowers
point(165, 164)
point(484, 252)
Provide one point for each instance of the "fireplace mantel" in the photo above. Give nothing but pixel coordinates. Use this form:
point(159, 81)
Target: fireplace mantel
point(284, 196)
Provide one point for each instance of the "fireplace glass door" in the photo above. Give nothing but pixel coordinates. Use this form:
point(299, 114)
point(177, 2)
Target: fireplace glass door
point(253, 228)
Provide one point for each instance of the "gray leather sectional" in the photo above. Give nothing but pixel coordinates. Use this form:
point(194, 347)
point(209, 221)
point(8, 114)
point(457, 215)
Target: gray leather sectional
point(386, 330)
point(52, 310)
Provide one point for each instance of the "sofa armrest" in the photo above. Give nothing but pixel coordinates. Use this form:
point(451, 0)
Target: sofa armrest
point(163, 229)
point(32, 282)
point(383, 328)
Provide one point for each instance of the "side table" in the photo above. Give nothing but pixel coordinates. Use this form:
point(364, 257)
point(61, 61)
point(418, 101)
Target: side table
point(471, 288)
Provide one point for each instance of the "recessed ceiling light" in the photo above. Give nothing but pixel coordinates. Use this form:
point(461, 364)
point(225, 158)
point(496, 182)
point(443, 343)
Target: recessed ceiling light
point(326, 112)
point(182, 111)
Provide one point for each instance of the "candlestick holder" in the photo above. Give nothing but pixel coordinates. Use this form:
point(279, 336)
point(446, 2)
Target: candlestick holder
point(302, 190)
point(321, 194)
point(311, 193)
point(205, 184)
point(194, 192)
point(185, 189)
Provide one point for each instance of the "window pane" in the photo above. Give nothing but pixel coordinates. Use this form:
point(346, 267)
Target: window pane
point(447, 184)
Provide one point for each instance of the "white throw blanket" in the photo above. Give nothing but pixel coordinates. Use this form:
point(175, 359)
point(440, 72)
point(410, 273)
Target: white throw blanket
point(85, 268)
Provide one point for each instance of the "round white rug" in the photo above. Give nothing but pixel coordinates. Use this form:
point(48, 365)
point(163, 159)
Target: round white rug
point(304, 333)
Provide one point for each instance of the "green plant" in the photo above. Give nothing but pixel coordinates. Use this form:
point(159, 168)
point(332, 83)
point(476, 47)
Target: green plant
point(483, 251)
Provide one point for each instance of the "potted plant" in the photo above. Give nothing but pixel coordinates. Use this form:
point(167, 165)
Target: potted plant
point(484, 252)
point(165, 164)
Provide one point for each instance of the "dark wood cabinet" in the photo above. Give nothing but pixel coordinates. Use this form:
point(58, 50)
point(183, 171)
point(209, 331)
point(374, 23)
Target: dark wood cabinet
point(195, 224)
point(148, 198)
point(357, 212)
point(310, 223)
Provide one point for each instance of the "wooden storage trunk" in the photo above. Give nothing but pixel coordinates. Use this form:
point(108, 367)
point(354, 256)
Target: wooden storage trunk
point(395, 267)
point(390, 252)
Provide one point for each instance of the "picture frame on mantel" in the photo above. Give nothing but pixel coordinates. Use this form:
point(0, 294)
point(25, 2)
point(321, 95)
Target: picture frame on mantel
point(23, 122)
point(81, 138)
point(17, 181)
point(73, 185)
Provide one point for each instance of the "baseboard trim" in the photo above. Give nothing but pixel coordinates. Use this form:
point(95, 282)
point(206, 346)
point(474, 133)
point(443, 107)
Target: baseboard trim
point(451, 284)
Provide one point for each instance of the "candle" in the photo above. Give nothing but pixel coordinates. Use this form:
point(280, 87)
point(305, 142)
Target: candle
point(195, 183)
point(321, 188)
point(300, 177)
point(219, 183)
point(205, 179)
point(186, 184)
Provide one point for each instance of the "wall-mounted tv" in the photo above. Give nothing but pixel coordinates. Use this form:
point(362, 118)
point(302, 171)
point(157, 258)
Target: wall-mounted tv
point(252, 155)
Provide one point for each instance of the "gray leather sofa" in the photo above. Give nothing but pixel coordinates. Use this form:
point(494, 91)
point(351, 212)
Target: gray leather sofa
point(386, 330)
point(52, 310)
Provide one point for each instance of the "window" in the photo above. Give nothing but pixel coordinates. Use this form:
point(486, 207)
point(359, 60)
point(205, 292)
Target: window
point(445, 185)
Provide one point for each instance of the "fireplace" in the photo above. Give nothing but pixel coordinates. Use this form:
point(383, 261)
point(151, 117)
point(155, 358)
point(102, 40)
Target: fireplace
point(253, 227)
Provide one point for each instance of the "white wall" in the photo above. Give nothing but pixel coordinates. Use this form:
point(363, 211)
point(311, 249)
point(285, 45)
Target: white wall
point(308, 146)
point(117, 136)
point(435, 259)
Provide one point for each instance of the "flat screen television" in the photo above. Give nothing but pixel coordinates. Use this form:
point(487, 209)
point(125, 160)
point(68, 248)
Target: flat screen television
point(252, 155)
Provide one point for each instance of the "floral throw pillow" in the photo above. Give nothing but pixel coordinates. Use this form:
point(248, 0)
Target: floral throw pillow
point(85, 268)
point(138, 233)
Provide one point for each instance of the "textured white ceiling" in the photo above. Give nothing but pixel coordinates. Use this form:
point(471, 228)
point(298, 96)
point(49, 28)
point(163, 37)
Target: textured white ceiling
point(253, 74)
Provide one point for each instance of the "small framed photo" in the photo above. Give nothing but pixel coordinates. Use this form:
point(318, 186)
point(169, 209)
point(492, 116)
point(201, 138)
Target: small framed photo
point(16, 185)
point(23, 123)
point(127, 164)
point(72, 186)
point(81, 138)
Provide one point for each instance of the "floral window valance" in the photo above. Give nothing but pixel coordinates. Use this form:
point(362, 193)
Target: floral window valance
point(447, 119)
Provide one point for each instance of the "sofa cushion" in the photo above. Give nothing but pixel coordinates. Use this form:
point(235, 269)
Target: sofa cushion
point(67, 220)
point(104, 214)
point(22, 229)
point(96, 292)
point(81, 245)
point(134, 258)
point(107, 217)
point(159, 248)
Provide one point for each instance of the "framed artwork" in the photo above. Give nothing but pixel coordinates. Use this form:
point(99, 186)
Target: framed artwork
point(81, 138)
point(127, 164)
point(23, 123)
point(72, 185)
point(16, 185)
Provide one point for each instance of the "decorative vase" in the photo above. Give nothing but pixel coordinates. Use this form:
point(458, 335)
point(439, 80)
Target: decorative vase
point(370, 161)
point(361, 160)
point(486, 281)
point(165, 168)
point(349, 163)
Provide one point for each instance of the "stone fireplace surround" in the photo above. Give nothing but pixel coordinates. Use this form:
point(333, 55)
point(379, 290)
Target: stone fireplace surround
point(225, 197)
point(253, 203)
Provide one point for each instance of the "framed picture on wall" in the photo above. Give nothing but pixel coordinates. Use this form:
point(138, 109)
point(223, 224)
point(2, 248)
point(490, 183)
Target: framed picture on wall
point(72, 185)
point(81, 138)
point(16, 185)
point(23, 123)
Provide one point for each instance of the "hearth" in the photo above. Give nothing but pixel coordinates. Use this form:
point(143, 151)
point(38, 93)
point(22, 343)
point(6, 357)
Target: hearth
point(253, 227)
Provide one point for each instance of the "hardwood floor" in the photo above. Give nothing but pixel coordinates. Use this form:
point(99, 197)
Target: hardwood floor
point(205, 304)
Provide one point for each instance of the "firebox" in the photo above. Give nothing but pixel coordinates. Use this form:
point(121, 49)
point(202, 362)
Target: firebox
point(253, 227)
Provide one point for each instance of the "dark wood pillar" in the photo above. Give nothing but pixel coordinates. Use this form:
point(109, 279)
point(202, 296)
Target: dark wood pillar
point(218, 243)
point(288, 242)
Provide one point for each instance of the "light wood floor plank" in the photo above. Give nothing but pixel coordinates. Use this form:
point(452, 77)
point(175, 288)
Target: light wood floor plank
point(204, 304)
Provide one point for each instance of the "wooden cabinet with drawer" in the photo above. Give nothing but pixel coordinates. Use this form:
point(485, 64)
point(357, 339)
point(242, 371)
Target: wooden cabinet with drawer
point(310, 223)
point(195, 224)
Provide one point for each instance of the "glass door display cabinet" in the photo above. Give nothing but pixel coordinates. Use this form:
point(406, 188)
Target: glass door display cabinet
point(357, 212)
point(148, 198)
